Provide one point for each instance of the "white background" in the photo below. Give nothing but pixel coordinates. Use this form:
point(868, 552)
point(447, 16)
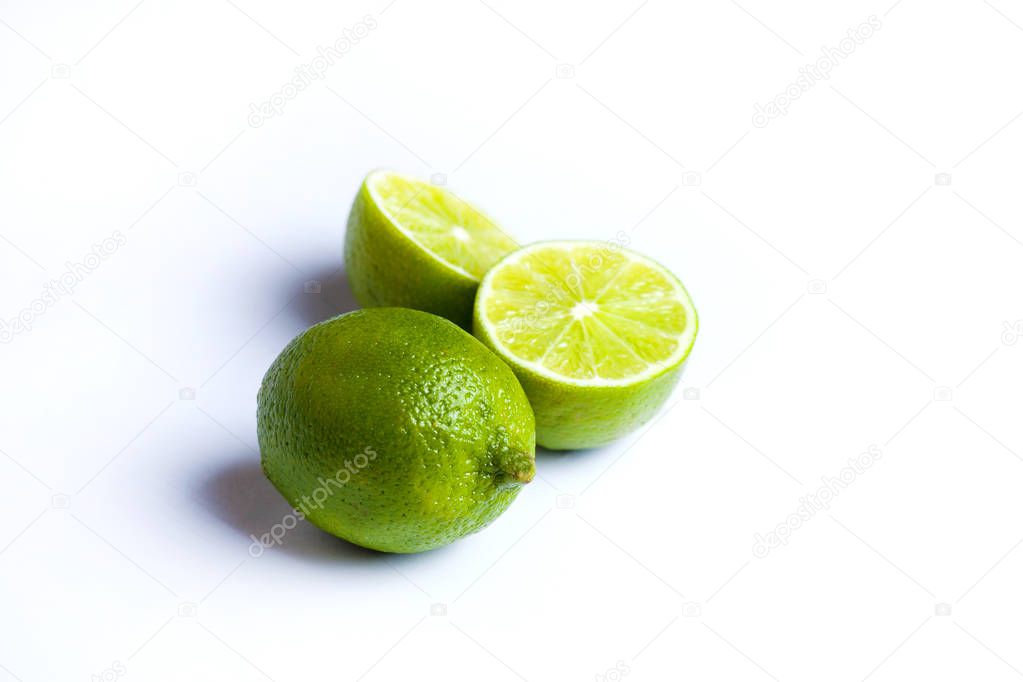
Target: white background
point(847, 300)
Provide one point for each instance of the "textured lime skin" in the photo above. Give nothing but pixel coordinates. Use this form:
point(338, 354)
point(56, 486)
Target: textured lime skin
point(387, 268)
point(578, 417)
point(434, 431)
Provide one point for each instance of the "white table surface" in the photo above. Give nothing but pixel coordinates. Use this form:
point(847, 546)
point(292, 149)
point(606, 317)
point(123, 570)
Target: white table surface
point(850, 298)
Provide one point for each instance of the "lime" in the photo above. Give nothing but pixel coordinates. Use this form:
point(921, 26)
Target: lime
point(416, 245)
point(596, 334)
point(394, 429)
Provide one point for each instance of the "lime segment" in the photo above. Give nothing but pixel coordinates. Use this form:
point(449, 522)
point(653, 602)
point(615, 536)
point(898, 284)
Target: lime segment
point(411, 244)
point(442, 223)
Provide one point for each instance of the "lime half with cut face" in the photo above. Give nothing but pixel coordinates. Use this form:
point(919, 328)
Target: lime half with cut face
point(596, 334)
point(416, 245)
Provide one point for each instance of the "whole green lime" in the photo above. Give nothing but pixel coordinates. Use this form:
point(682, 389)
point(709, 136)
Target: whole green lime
point(395, 430)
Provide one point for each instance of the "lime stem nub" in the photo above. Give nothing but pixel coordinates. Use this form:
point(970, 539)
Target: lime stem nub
point(517, 468)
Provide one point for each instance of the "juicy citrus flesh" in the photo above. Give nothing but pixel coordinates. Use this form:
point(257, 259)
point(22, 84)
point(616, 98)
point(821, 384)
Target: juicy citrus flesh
point(588, 313)
point(597, 336)
point(394, 429)
point(442, 223)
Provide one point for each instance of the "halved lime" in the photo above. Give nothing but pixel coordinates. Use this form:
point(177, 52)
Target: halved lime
point(413, 244)
point(596, 334)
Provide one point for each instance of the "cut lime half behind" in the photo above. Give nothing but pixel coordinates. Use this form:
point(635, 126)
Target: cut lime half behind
point(596, 334)
point(413, 244)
